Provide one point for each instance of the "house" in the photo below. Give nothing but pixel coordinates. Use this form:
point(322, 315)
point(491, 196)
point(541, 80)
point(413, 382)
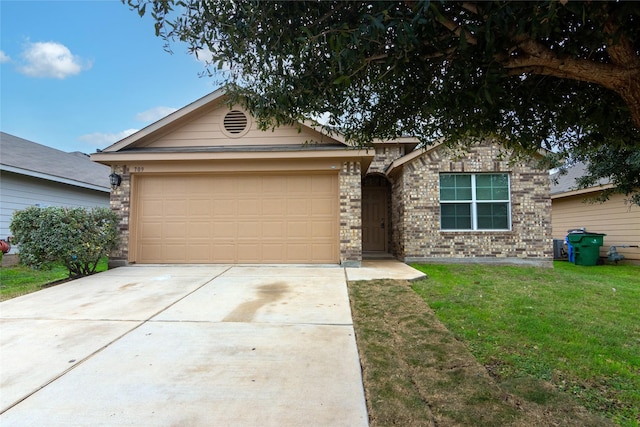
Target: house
point(204, 185)
point(35, 175)
point(617, 218)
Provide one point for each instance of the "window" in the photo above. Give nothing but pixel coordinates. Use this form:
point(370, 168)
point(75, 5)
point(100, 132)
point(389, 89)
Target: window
point(474, 202)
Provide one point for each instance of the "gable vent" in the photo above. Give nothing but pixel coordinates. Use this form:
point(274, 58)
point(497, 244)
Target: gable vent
point(235, 122)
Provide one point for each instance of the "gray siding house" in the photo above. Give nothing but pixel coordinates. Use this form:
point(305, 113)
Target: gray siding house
point(32, 174)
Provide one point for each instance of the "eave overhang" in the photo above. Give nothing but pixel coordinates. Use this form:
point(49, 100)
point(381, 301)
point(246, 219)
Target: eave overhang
point(53, 178)
point(141, 156)
point(581, 192)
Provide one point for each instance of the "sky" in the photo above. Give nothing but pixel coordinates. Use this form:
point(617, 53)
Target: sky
point(81, 75)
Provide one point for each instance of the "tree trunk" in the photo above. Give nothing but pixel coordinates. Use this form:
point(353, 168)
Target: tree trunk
point(631, 96)
point(621, 76)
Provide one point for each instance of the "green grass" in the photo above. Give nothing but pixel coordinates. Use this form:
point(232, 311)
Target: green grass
point(577, 328)
point(20, 280)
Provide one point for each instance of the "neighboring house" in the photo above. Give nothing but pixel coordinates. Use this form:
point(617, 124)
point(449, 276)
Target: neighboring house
point(617, 218)
point(34, 175)
point(204, 185)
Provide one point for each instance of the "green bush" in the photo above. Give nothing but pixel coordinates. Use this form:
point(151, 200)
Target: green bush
point(75, 237)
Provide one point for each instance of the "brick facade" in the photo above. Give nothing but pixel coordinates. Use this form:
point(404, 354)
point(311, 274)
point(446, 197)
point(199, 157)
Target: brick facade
point(385, 154)
point(120, 202)
point(416, 235)
point(350, 214)
point(414, 210)
point(397, 216)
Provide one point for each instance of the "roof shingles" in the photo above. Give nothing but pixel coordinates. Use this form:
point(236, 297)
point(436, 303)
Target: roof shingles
point(564, 183)
point(28, 157)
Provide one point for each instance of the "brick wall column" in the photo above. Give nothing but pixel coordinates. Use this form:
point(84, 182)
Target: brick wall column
point(350, 214)
point(120, 202)
point(397, 217)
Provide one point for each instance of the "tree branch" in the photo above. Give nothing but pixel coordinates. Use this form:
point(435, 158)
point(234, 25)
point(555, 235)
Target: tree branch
point(619, 47)
point(471, 7)
point(457, 29)
point(535, 57)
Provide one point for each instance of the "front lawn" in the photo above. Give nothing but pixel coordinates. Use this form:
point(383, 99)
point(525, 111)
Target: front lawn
point(19, 280)
point(501, 346)
point(577, 328)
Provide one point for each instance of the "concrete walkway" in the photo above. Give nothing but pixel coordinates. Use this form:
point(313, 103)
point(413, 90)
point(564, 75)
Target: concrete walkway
point(186, 346)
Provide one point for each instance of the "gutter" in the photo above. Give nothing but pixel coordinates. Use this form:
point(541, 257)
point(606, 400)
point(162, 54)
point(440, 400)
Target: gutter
point(54, 178)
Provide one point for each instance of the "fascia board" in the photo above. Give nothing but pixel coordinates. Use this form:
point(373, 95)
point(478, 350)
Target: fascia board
point(580, 192)
point(108, 158)
point(336, 136)
point(154, 127)
point(398, 163)
point(53, 178)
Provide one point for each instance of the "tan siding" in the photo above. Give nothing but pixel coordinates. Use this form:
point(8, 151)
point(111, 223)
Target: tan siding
point(206, 130)
point(617, 219)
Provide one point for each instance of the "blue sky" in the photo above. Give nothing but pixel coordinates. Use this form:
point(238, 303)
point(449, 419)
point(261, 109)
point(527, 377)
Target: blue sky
point(80, 75)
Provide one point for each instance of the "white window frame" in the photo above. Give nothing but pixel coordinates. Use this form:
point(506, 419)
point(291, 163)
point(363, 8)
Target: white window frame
point(474, 203)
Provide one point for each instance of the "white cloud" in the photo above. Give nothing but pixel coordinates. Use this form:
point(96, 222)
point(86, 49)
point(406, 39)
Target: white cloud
point(4, 57)
point(51, 59)
point(98, 139)
point(323, 118)
point(203, 55)
point(154, 114)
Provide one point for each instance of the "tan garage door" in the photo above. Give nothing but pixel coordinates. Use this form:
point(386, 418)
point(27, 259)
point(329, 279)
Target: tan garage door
point(237, 219)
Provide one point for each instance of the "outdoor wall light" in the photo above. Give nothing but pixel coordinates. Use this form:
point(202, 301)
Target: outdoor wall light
point(115, 180)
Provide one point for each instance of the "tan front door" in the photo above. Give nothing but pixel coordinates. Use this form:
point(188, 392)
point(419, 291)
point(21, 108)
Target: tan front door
point(236, 219)
point(374, 218)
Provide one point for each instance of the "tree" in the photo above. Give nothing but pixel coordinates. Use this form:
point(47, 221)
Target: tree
point(558, 75)
point(624, 175)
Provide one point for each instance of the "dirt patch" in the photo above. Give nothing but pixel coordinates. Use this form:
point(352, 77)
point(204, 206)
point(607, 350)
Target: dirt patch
point(9, 260)
point(417, 374)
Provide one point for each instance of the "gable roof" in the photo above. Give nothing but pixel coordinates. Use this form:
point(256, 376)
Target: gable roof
point(176, 118)
point(185, 114)
point(165, 140)
point(397, 164)
point(563, 185)
point(32, 159)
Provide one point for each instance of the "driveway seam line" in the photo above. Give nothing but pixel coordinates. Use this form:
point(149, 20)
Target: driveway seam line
point(83, 360)
point(69, 369)
point(185, 296)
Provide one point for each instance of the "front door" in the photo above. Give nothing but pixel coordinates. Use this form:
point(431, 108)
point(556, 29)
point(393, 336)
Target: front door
point(374, 219)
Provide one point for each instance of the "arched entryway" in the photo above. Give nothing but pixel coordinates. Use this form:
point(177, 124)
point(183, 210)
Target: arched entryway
point(376, 195)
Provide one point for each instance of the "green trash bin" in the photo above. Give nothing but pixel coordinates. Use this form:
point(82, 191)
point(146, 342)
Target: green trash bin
point(586, 247)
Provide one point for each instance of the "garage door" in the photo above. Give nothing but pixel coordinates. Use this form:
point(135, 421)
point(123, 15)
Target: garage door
point(237, 219)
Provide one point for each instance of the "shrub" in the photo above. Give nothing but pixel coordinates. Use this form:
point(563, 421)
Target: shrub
point(75, 237)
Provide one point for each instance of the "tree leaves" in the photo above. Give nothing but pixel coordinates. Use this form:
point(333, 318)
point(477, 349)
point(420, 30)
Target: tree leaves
point(535, 74)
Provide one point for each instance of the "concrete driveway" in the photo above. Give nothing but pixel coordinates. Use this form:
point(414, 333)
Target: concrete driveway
point(183, 346)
